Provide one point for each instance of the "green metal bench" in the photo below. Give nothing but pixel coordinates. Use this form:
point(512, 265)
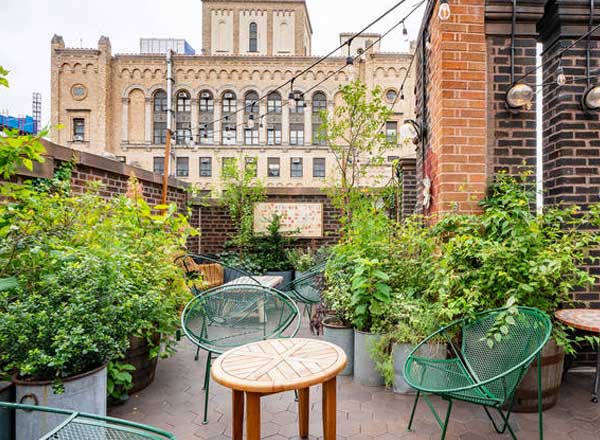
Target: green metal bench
point(236, 314)
point(82, 426)
point(476, 373)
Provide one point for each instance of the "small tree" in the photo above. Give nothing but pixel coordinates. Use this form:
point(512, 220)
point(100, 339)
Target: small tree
point(354, 133)
point(241, 190)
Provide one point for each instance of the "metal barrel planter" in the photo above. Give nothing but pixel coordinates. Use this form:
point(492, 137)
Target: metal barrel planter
point(365, 371)
point(336, 332)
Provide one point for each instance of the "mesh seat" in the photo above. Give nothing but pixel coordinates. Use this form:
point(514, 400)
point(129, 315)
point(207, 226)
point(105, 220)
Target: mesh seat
point(307, 289)
point(237, 314)
point(73, 425)
point(476, 372)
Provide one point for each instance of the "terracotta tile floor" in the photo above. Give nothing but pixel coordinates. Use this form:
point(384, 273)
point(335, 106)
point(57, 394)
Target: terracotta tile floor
point(175, 401)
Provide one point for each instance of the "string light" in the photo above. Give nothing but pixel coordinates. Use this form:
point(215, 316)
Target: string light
point(444, 10)
point(520, 96)
point(350, 62)
point(251, 123)
point(404, 32)
point(561, 78)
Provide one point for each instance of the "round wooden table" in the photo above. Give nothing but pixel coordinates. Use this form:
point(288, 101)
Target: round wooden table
point(587, 320)
point(277, 365)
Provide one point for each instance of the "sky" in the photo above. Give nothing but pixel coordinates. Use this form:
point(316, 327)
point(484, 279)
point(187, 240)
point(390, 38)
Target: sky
point(28, 26)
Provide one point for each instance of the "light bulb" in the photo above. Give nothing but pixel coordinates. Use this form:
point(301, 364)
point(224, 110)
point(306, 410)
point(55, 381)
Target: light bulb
point(520, 96)
point(402, 93)
point(591, 98)
point(428, 43)
point(408, 132)
point(561, 79)
point(251, 122)
point(291, 99)
point(350, 67)
point(404, 32)
point(444, 10)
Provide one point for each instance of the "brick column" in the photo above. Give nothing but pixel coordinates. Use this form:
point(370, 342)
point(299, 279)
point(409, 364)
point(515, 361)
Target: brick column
point(408, 182)
point(451, 103)
point(511, 135)
point(571, 135)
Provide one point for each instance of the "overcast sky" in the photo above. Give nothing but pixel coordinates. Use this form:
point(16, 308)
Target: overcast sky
point(28, 25)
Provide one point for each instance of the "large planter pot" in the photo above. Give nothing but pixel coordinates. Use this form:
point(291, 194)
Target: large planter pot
point(401, 352)
point(365, 372)
point(287, 275)
point(553, 358)
point(7, 394)
point(336, 332)
point(85, 393)
point(138, 355)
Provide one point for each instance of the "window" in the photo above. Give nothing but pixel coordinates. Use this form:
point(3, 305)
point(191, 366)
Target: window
point(298, 106)
point(273, 167)
point(251, 165)
point(250, 104)
point(274, 102)
point(184, 103)
point(78, 129)
point(296, 134)
point(183, 166)
point(391, 131)
point(274, 135)
point(159, 165)
point(253, 38)
point(207, 103)
point(317, 135)
point(391, 95)
point(183, 134)
point(206, 134)
point(229, 134)
point(319, 102)
point(205, 167)
point(319, 169)
point(251, 136)
point(296, 167)
point(229, 102)
point(159, 131)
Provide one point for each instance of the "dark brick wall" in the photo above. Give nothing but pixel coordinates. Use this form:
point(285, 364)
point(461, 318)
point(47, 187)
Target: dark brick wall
point(408, 183)
point(216, 227)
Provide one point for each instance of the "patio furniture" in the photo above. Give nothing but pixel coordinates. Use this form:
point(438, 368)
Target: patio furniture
point(274, 366)
point(307, 289)
point(587, 320)
point(232, 315)
point(75, 425)
point(477, 373)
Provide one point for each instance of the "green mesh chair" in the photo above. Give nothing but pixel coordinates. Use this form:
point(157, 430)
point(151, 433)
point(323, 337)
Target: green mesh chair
point(307, 289)
point(476, 373)
point(73, 425)
point(233, 315)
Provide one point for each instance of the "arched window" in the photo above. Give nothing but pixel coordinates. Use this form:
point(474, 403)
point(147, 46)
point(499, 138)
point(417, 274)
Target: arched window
point(207, 108)
point(298, 106)
point(274, 102)
point(250, 104)
point(251, 112)
point(183, 118)
point(229, 127)
point(229, 102)
point(319, 103)
point(253, 38)
point(297, 119)
point(159, 118)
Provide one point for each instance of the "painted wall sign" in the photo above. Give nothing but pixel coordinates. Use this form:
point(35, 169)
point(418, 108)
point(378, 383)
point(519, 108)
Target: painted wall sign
point(302, 220)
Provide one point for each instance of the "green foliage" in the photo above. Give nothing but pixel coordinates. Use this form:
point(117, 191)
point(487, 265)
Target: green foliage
point(3, 75)
point(241, 190)
point(354, 133)
point(509, 251)
point(119, 380)
point(302, 259)
point(269, 251)
point(91, 273)
point(371, 293)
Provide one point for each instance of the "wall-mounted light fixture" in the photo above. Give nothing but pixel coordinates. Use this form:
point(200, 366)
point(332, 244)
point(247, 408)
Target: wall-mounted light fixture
point(411, 131)
point(444, 10)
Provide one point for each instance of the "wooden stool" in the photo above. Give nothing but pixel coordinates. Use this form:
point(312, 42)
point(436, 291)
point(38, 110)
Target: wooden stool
point(278, 365)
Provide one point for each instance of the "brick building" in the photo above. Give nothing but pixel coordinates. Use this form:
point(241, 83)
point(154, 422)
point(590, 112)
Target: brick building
point(116, 103)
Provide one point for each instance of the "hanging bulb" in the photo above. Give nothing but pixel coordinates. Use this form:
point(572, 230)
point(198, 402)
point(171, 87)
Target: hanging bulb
point(205, 134)
point(561, 79)
point(350, 67)
point(251, 122)
point(402, 93)
point(261, 125)
point(291, 99)
point(404, 32)
point(444, 10)
point(428, 43)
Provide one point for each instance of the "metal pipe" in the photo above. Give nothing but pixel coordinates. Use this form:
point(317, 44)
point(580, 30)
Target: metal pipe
point(167, 158)
point(512, 42)
point(589, 43)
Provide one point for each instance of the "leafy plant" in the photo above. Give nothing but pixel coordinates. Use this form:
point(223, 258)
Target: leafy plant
point(302, 259)
point(269, 251)
point(119, 380)
point(371, 294)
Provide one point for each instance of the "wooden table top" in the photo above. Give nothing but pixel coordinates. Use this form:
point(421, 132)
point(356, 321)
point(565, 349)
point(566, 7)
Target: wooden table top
point(276, 365)
point(267, 280)
point(582, 319)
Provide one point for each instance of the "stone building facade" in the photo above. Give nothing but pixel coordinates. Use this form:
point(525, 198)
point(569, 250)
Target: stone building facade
point(116, 103)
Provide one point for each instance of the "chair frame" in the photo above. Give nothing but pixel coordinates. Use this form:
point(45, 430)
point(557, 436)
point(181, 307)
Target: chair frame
point(93, 420)
point(213, 351)
point(509, 400)
point(291, 289)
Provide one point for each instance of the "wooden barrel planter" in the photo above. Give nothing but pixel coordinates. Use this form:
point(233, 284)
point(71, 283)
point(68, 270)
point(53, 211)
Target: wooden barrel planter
point(553, 358)
point(138, 355)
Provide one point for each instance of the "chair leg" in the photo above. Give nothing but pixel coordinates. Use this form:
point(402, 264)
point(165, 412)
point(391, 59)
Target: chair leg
point(206, 387)
point(504, 418)
point(445, 427)
point(412, 414)
point(197, 354)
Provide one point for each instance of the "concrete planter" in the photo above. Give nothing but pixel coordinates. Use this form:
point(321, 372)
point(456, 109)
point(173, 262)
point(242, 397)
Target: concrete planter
point(85, 393)
point(400, 354)
point(365, 372)
point(7, 391)
point(337, 333)
point(287, 276)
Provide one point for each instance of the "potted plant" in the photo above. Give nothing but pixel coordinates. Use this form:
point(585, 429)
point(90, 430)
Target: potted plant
point(303, 260)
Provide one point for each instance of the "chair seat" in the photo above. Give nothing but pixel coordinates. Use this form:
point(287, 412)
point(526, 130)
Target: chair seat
point(446, 377)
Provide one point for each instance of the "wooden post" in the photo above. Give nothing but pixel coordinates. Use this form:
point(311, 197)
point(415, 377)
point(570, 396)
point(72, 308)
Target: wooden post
point(167, 168)
point(329, 409)
point(252, 416)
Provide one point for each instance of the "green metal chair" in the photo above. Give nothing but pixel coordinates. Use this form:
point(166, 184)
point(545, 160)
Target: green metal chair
point(476, 373)
point(307, 289)
point(74, 425)
point(233, 315)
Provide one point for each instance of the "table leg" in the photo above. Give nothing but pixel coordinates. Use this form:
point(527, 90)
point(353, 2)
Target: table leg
point(253, 416)
point(596, 378)
point(237, 417)
point(303, 404)
point(329, 409)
